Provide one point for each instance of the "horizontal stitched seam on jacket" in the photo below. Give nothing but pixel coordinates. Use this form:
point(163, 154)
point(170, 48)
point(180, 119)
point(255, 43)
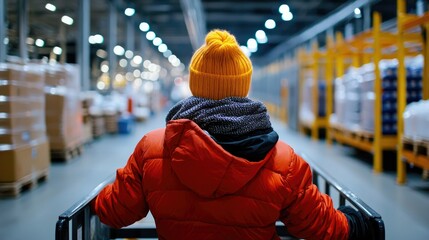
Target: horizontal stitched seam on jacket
point(186, 190)
point(217, 224)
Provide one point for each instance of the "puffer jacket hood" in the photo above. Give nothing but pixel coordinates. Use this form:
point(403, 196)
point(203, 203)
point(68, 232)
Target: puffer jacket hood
point(203, 165)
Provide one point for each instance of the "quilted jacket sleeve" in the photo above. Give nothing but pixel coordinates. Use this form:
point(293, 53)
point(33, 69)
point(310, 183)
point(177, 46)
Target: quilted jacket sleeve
point(309, 214)
point(122, 203)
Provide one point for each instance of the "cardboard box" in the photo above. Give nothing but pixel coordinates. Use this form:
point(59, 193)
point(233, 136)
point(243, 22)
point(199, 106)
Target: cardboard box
point(22, 161)
point(33, 74)
point(22, 121)
point(15, 105)
point(14, 88)
point(64, 143)
point(22, 137)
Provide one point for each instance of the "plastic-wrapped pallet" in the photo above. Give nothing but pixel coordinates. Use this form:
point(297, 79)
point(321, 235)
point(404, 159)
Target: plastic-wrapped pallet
point(339, 102)
point(368, 97)
point(306, 111)
point(352, 101)
point(24, 147)
point(63, 108)
point(306, 114)
point(388, 70)
point(416, 120)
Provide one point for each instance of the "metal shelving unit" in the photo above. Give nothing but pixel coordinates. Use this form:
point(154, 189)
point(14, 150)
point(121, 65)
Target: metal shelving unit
point(411, 29)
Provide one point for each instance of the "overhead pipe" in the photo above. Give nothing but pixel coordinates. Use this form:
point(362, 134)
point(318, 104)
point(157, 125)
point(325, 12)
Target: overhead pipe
point(195, 21)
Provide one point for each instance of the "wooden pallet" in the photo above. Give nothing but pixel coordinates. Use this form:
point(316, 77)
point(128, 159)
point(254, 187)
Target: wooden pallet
point(66, 155)
point(14, 189)
point(418, 147)
point(416, 153)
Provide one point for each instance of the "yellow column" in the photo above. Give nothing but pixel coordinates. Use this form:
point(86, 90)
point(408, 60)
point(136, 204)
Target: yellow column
point(426, 65)
point(315, 92)
point(401, 92)
point(339, 56)
point(378, 151)
point(329, 75)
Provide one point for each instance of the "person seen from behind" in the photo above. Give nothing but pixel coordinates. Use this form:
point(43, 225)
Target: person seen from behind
point(218, 170)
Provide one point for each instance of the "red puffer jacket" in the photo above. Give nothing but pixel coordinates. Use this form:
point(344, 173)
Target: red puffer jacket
point(197, 190)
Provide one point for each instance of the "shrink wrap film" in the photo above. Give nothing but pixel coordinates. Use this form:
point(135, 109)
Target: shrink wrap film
point(64, 120)
point(24, 148)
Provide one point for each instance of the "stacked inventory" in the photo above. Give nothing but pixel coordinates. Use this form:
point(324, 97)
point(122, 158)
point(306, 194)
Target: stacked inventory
point(111, 121)
point(388, 69)
point(307, 115)
point(355, 96)
point(347, 100)
point(416, 121)
point(24, 148)
point(87, 123)
point(63, 111)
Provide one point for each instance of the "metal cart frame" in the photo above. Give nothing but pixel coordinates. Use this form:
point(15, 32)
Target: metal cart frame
point(80, 223)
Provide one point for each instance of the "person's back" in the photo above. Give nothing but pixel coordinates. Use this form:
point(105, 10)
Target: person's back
point(217, 170)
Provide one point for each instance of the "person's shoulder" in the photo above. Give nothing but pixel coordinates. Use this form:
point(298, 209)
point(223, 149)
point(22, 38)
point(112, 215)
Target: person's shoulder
point(283, 158)
point(152, 138)
point(156, 132)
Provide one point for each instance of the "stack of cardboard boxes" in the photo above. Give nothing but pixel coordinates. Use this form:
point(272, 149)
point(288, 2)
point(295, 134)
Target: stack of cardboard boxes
point(24, 147)
point(87, 123)
point(63, 107)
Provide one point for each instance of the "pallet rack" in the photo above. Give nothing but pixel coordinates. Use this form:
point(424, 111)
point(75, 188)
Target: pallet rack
point(410, 150)
point(311, 63)
point(364, 48)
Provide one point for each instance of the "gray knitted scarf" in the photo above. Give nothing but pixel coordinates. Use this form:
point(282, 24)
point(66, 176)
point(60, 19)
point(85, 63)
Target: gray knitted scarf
point(226, 119)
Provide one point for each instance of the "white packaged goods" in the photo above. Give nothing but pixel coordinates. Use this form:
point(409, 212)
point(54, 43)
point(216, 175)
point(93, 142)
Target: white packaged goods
point(63, 107)
point(339, 100)
point(416, 120)
point(352, 102)
point(306, 114)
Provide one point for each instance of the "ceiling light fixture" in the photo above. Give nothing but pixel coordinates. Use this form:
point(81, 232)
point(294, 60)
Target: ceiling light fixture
point(270, 24)
point(50, 7)
point(144, 26)
point(261, 37)
point(162, 48)
point(150, 35)
point(252, 45)
point(284, 8)
point(129, 12)
point(118, 50)
point(39, 42)
point(157, 41)
point(57, 50)
point(67, 20)
point(358, 13)
point(287, 16)
point(129, 54)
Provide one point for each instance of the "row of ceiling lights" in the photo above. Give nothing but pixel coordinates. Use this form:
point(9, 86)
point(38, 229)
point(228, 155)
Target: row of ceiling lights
point(156, 41)
point(261, 36)
point(119, 50)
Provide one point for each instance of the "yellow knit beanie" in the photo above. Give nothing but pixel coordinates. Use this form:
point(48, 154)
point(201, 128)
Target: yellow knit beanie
point(219, 68)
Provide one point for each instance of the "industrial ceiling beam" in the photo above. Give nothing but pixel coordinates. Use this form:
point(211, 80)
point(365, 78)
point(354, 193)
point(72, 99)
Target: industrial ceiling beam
point(195, 21)
point(338, 15)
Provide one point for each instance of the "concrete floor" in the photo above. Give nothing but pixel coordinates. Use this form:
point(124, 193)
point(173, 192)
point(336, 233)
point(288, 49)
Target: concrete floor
point(404, 209)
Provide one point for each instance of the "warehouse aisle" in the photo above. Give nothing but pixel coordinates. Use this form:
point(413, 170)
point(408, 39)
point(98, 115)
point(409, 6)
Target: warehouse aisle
point(33, 215)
